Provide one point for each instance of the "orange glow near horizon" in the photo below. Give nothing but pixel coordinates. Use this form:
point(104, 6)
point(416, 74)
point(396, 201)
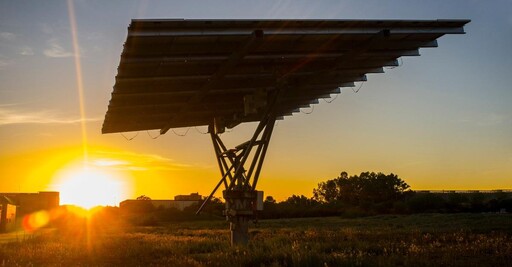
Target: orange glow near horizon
point(88, 187)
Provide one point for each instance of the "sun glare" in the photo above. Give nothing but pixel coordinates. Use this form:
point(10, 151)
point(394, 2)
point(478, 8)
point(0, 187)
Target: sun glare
point(88, 188)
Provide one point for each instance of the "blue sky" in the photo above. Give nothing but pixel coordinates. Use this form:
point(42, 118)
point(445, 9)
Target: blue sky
point(442, 120)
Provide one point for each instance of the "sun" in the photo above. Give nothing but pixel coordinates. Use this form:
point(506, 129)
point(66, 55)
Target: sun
point(87, 188)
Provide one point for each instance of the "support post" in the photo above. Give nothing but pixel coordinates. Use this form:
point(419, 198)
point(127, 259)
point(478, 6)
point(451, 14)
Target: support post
point(239, 211)
point(239, 231)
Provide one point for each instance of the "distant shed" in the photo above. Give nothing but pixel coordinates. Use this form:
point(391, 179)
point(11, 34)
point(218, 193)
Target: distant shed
point(31, 202)
point(180, 202)
point(7, 214)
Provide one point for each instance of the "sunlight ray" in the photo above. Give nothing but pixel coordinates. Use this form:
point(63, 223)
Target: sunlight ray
point(79, 82)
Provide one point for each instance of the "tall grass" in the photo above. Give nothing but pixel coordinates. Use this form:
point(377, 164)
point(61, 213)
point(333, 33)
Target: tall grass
point(417, 240)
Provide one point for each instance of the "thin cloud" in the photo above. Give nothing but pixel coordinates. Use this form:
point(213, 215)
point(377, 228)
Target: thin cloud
point(147, 157)
point(11, 44)
point(493, 119)
point(9, 116)
point(26, 51)
point(487, 120)
point(7, 36)
point(55, 49)
point(136, 162)
point(93, 36)
point(46, 28)
point(4, 62)
point(110, 162)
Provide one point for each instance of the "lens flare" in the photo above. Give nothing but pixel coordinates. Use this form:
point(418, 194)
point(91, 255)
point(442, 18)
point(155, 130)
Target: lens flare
point(35, 220)
point(78, 70)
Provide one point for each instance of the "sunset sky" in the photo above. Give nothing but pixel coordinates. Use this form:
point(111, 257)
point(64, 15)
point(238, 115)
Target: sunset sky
point(440, 121)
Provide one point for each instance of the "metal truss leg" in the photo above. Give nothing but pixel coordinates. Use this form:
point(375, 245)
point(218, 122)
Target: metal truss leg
point(242, 199)
point(240, 183)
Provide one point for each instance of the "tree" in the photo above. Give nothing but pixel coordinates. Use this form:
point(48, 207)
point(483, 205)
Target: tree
point(368, 187)
point(143, 197)
point(300, 201)
point(327, 191)
point(270, 199)
point(426, 202)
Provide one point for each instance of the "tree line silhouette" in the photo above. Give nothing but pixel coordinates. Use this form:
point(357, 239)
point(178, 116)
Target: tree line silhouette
point(366, 194)
point(371, 193)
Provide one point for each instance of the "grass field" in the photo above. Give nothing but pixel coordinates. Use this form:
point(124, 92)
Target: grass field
point(414, 240)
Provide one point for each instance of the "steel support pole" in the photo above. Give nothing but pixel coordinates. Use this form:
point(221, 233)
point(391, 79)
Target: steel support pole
point(239, 230)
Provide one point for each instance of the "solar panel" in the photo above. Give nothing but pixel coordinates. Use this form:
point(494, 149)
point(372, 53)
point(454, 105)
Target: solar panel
point(181, 73)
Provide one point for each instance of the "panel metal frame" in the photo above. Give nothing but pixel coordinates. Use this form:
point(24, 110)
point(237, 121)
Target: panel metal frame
point(194, 62)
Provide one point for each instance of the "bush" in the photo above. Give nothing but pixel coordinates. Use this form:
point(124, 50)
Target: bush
point(426, 202)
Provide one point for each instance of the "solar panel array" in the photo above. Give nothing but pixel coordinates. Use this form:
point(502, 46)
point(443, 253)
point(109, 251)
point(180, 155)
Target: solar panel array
point(181, 73)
